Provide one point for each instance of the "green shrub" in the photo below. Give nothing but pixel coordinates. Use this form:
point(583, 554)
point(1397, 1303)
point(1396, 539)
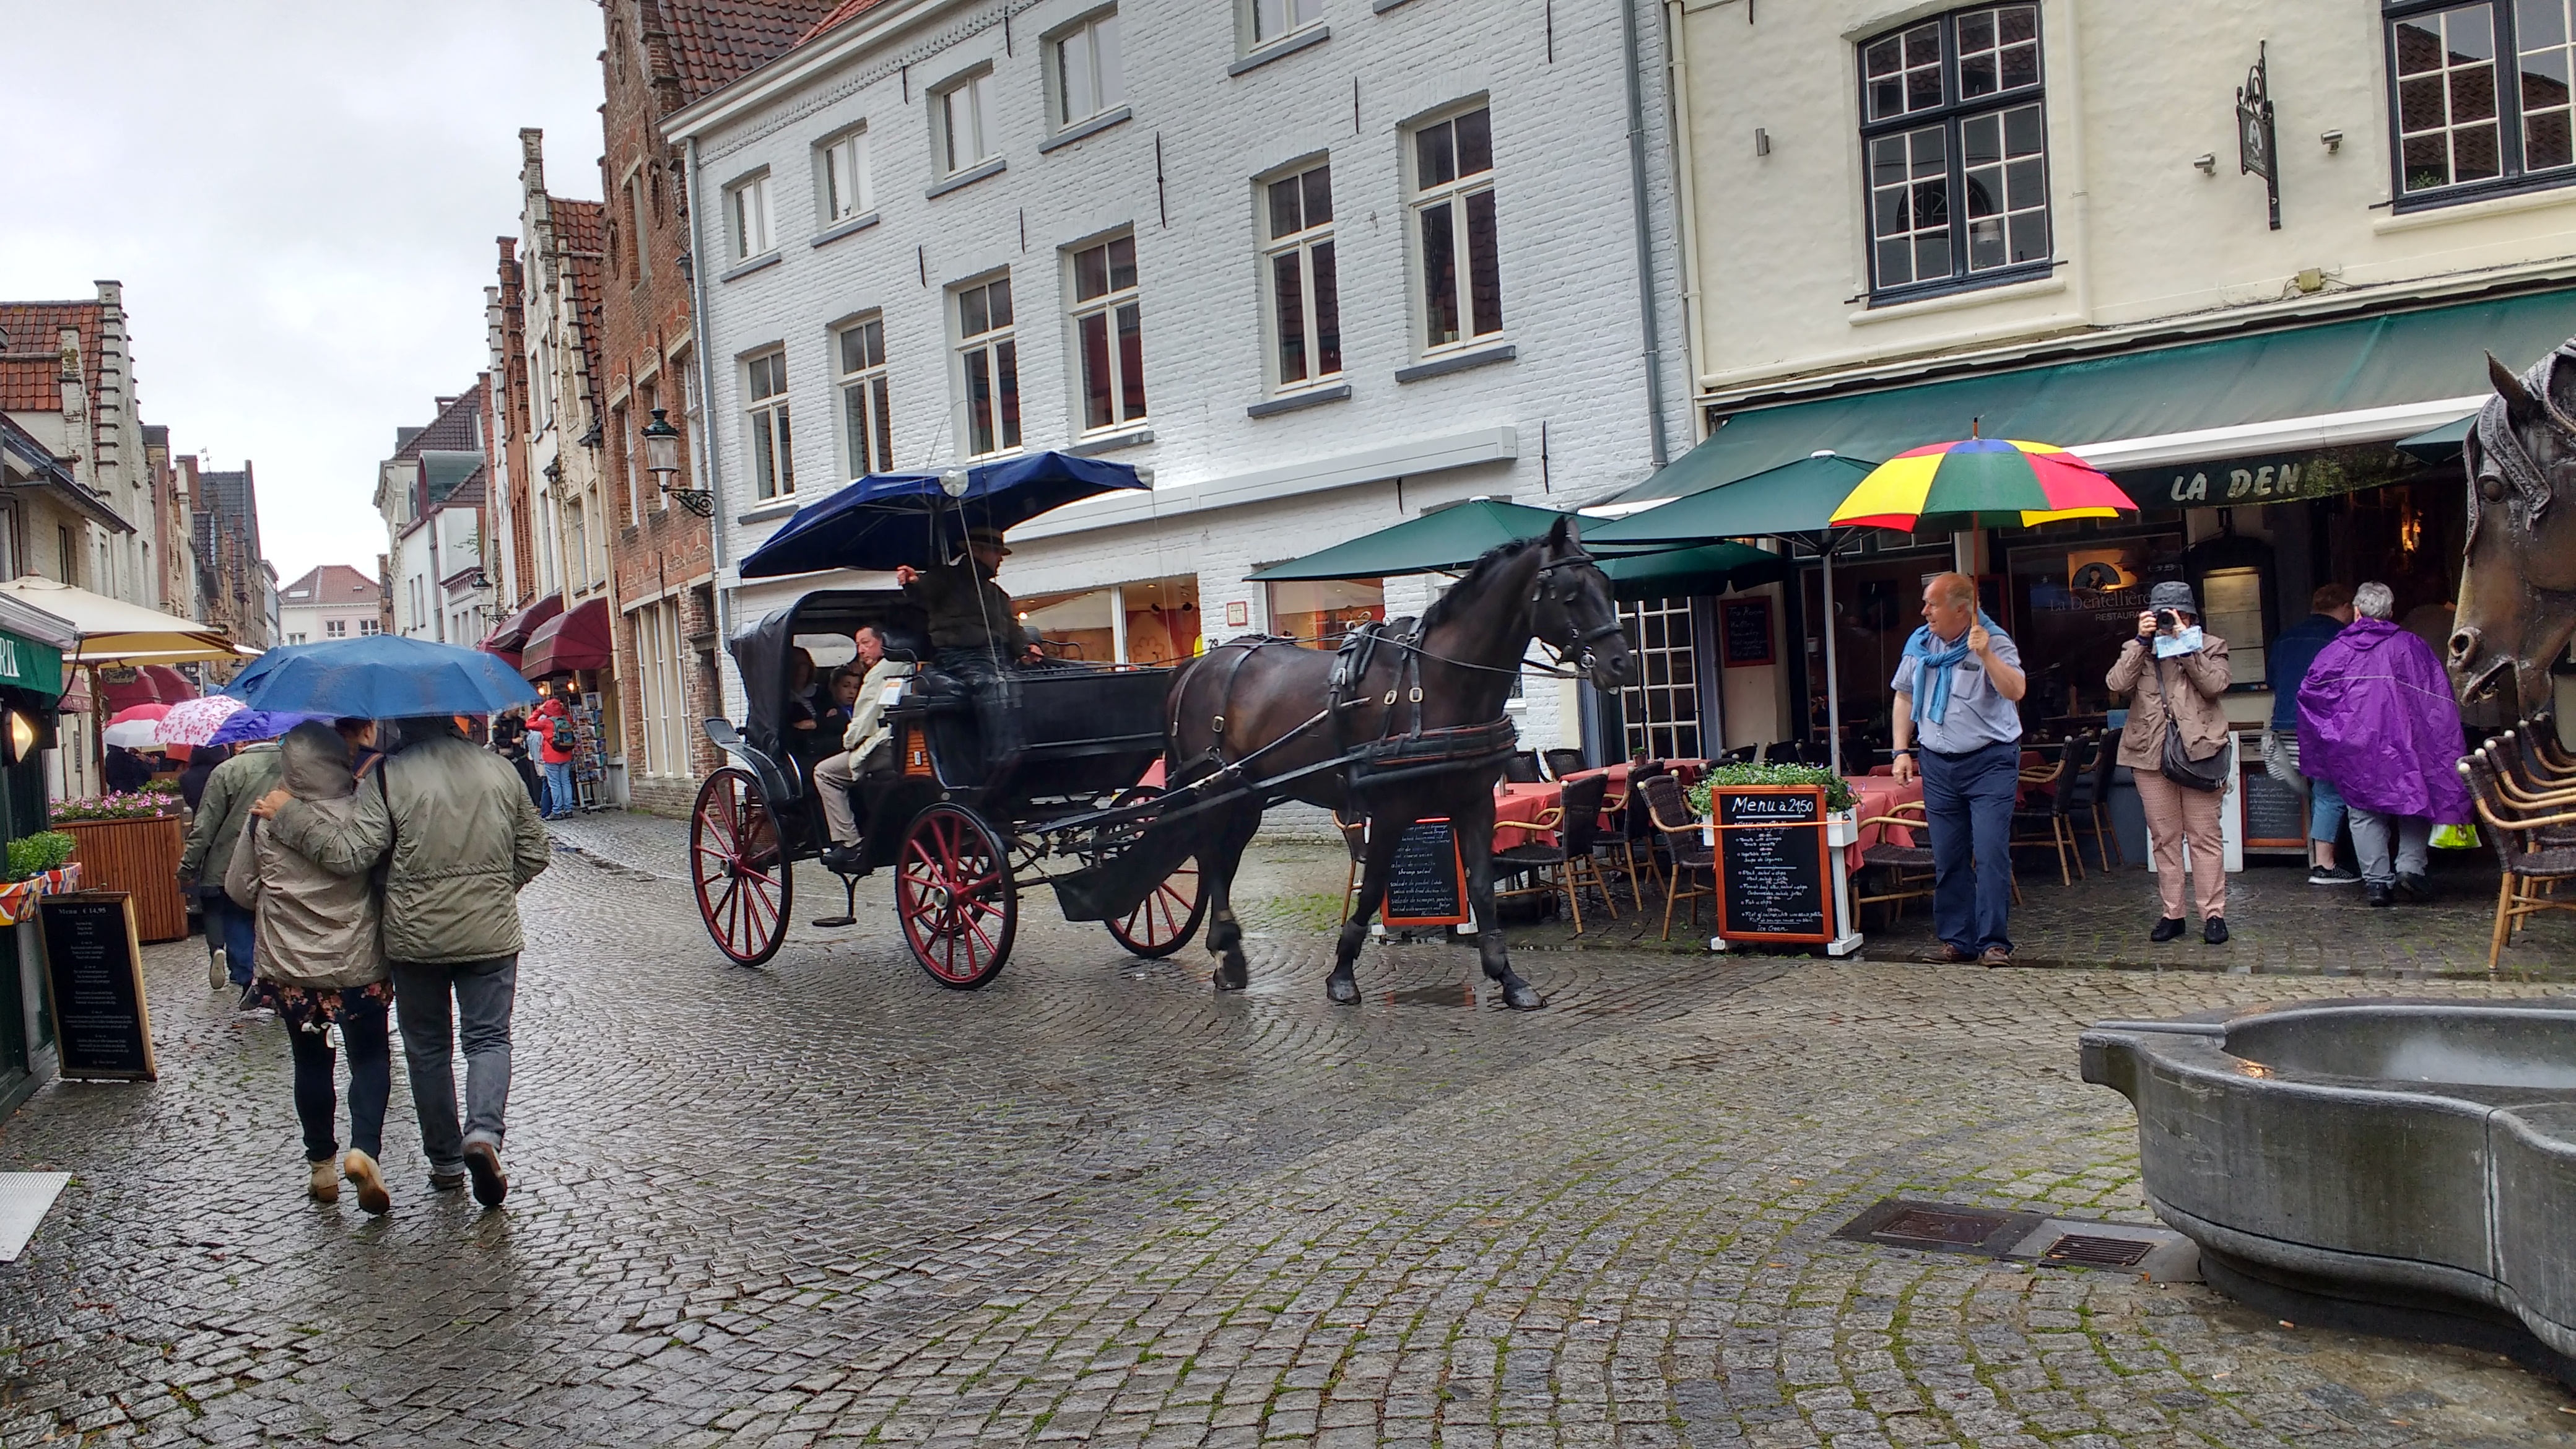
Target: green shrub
point(1838, 791)
point(32, 855)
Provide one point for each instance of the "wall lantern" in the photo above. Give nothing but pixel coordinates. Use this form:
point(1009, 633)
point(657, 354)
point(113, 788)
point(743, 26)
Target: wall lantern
point(662, 460)
point(24, 736)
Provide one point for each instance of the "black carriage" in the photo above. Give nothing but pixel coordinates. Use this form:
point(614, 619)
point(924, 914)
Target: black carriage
point(1040, 777)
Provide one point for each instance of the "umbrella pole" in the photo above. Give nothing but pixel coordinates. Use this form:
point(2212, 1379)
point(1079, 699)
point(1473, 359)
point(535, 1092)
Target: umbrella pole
point(1833, 676)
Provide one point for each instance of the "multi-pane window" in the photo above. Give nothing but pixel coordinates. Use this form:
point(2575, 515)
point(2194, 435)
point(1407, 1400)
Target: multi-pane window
point(773, 465)
point(639, 481)
point(1272, 19)
point(747, 217)
point(959, 116)
point(1107, 334)
point(1084, 65)
point(2462, 118)
point(842, 168)
point(867, 435)
point(1453, 224)
point(1661, 710)
point(1305, 297)
point(335, 628)
point(1956, 148)
point(367, 626)
point(989, 359)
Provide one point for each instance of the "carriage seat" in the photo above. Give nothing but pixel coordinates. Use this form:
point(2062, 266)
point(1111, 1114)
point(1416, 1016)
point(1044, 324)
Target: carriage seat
point(905, 646)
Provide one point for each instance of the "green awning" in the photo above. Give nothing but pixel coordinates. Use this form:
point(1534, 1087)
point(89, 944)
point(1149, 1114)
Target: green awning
point(1443, 539)
point(29, 665)
point(2316, 371)
point(1709, 569)
point(1795, 498)
point(2439, 445)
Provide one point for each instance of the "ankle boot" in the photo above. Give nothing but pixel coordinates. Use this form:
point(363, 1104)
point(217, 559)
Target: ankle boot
point(325, 1186)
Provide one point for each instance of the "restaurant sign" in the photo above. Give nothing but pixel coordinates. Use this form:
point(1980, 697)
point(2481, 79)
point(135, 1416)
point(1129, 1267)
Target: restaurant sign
point(2266, 478)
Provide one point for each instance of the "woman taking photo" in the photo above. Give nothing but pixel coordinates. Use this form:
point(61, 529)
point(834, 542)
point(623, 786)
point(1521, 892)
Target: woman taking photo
point(2173, 675)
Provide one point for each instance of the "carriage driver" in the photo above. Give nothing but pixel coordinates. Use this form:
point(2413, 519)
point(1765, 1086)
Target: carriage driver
point(974, 626)
point(866, 745)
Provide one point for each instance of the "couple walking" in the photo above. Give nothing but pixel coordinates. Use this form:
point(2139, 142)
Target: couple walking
point(393, 883)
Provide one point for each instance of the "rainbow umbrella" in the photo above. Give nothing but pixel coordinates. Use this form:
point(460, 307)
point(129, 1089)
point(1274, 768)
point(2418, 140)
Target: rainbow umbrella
point(1982, 483)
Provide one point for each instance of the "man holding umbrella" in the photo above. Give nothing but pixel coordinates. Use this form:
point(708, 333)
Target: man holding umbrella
point(973, 623)
point(1957, 689)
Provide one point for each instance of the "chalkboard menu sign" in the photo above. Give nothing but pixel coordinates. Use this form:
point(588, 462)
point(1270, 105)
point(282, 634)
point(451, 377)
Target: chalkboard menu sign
point(94, 978)
point(1429, 885)
point(1774, 869)
point(2276, 817)
point(1745, 628)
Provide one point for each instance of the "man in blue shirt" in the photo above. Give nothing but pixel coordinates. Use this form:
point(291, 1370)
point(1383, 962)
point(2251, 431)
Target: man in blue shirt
point(1957, 692)
point(2285, 669)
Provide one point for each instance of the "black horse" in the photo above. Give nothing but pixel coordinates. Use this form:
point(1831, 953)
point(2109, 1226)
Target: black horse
point(1424, 716)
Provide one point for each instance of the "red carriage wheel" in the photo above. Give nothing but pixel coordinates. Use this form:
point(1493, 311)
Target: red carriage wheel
point(952, 888)
point(740, 867)
point(1168, 918)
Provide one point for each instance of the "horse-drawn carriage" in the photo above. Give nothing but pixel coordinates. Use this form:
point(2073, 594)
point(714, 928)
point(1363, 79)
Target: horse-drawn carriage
point(1034, 778)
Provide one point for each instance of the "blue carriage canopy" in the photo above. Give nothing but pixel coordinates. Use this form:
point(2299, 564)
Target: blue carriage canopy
point(889, 519)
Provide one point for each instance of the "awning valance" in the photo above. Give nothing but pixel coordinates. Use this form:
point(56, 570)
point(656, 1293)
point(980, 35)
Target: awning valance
point(1445, 538)
point(2362, 381)
point(515, 631)
point(574, 639)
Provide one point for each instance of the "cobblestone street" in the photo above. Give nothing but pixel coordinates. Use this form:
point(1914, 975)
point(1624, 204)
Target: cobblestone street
point(828, 1199)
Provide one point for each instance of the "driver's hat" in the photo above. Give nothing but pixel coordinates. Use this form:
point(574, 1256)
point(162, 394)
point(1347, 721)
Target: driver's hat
point(986, 537)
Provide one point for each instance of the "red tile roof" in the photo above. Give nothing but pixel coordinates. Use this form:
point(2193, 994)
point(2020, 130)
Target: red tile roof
point(31, 368)
point(581, 239)
point(716, 42)
point(453, 430)
point(842, 14)
point(330, 586)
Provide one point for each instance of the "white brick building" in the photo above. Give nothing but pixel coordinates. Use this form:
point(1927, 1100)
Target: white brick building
point(861, 203)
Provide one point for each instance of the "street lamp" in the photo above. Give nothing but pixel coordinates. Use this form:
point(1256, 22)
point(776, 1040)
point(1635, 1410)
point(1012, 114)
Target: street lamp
point(662, 459)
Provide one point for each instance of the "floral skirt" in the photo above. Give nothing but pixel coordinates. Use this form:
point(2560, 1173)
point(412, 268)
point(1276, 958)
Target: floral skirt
point(313, 1009)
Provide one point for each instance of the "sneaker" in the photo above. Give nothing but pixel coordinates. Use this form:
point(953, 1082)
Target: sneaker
point(362, 1172)
point(483, 1164)
point(1946, 954)
point(218, 975)
point(325, 1186)
point(1996, 956)
point(2214, 930)
point(2380, 892)
point(249, 997)
point(2167, 927)
point(2331, 875)
point(2414, 887)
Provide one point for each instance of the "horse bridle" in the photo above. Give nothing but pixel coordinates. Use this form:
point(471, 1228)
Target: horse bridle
point(2500, 446)
point(1578, 644)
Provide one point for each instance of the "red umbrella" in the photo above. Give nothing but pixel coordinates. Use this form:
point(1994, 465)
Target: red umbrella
point(138, 711)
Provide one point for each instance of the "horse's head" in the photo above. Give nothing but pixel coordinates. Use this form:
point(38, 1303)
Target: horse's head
point(2518, 593)
point(1573, 611)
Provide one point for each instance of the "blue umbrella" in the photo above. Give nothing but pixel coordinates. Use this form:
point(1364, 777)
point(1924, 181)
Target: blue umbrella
point(244, 726)
point(382, 676)
point(888, 519)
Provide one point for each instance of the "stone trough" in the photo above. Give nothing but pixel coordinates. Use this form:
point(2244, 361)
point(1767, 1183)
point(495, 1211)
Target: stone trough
point(2392, 1166)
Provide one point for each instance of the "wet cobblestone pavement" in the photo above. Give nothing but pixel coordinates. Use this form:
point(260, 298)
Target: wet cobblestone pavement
point(828, 1200)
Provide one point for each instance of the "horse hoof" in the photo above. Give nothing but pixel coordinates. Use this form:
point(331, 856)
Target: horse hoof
point(1519, 997)
point(1342, 990)
point(1231, 976)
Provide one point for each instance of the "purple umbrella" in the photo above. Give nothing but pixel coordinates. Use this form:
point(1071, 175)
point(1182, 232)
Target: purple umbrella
point(247, 725)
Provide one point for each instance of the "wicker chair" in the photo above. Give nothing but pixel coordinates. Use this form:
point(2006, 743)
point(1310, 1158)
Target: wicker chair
point(2539, 734)
point(2092, 799)
point(1909, 867)
point(1561, 763)
point(1671, 818)
point(1522, 769)
point(2535, 858)
point(1570, 864)
point(2052, 826)
point(2518, 780)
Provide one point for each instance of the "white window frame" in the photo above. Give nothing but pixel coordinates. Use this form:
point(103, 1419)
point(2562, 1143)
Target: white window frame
point(750, 222)
point(1267, 22)
point(862, 384)
point(975, 90)
point(1424, 215)
point(369, 626)
point(844, 188)
point(1297, 249)
point(1118, 312)
point(998, 347)
point(768, 438)
point(335, 628)
point(1086, 72)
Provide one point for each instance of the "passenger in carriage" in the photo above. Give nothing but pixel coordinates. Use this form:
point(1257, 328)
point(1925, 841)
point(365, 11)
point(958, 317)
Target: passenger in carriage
point(974, 626)
point(867, 745)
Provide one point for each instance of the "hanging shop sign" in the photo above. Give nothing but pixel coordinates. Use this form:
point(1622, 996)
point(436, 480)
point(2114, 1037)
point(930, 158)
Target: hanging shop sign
point(2267, 478)
point(2256, 153)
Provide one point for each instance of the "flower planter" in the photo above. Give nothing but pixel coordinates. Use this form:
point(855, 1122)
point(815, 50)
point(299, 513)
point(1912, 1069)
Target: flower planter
point(140, 857)
point(18, 898)
point(1842, 827)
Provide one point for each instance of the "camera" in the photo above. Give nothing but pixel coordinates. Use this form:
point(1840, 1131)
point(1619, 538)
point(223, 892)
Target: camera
point(2168, 620)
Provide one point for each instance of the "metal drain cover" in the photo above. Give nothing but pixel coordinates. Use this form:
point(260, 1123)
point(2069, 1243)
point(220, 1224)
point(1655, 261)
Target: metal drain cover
point(1941, 1227)
point(1949, 1227)
point(2092, 1252)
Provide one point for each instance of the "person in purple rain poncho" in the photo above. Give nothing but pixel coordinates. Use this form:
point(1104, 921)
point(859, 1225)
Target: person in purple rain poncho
point(2376, 717)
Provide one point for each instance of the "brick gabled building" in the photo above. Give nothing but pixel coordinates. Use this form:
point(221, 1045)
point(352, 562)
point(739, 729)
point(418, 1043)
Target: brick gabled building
point(510, 545)
point(67, 378)
point(661, 55)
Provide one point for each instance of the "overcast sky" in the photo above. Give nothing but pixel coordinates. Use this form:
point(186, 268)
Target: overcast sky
point(300, 197)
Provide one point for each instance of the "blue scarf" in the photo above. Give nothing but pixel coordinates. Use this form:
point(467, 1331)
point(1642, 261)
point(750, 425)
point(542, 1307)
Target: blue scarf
point(1932, 677)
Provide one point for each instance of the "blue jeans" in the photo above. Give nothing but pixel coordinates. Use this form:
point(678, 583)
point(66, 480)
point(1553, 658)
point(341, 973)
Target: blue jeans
point(2325, 811)
point(559, 795)
point(432, 1024)
point(237, 931)
point(1968, 802)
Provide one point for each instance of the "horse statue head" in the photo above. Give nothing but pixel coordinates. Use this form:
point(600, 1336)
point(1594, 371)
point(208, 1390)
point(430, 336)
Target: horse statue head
point(2518, 592)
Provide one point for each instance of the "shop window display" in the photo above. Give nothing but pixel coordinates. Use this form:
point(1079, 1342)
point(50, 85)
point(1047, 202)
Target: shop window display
point(2075, 602)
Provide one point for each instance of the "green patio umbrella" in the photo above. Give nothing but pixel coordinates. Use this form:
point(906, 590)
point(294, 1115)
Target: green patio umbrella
point(1795, 500)
point(2438, 445)
point(1710, 568)
point(1441, 540)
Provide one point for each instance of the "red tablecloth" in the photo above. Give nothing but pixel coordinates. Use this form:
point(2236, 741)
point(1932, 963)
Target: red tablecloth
point(1522, 803)
point(1879, 794)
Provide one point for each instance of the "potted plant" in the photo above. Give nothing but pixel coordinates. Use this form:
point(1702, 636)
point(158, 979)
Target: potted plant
point(38, 866)
point(1841, 828)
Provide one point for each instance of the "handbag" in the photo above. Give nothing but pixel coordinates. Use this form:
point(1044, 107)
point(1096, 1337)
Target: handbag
point(2208, 774)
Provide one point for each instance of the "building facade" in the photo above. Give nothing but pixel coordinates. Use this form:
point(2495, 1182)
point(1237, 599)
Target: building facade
point(431, 494)
point(661, 55)
point(236, 586)
point(2249, 275)
point(334, 601)
point(67, 378)
point(1317, 265)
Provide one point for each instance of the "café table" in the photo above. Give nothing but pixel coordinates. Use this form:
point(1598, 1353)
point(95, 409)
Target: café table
point(1523, 804)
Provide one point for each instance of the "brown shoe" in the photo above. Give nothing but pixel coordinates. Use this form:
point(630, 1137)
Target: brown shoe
point(1946, 954)
point(369, 1180)
point(325, 1186)
point(1995, 956)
